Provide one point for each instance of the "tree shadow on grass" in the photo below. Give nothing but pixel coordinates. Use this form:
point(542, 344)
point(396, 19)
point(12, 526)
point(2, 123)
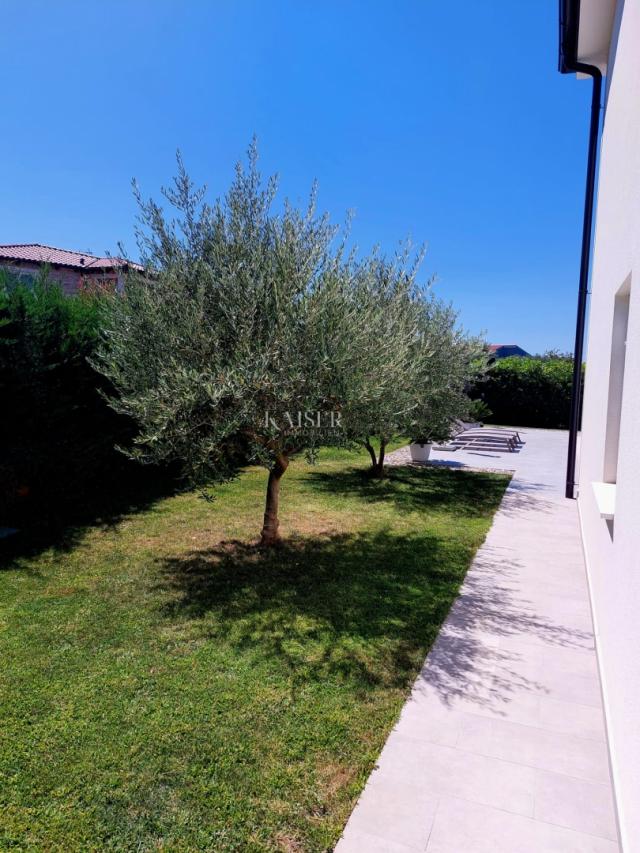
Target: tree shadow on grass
point(365, 608)
point(58, 513)
point(418, 489)
point(361, 607)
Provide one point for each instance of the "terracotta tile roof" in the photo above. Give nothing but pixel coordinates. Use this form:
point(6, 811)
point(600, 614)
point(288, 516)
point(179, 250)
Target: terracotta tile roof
point(506, 350)
point(40, 254)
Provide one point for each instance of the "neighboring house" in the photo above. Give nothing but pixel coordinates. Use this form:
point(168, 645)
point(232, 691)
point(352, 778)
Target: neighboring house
point(602, 37)
point(506, 351)
point(72, 269)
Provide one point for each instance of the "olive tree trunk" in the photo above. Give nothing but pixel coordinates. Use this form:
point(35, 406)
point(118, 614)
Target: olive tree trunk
point(377, 462)
point(269, 535)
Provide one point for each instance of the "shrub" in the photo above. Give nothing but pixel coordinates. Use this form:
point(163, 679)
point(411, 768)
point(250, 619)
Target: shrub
point(479, 411)
point(533, 392)
point(57, 433)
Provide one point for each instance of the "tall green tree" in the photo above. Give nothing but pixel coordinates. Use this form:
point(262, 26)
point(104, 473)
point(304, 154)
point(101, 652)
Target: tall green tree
point(446, 361)
point(412, 373)
point(236, 343)
point(376, 402)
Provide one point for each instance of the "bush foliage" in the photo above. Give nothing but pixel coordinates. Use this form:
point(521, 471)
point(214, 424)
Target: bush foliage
point(534, 392)
point(59, 463)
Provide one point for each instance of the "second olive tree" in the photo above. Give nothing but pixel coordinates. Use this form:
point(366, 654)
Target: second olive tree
point(412, 374)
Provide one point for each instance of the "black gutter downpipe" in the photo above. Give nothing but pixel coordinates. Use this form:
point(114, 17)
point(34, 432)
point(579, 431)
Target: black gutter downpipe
point(583, 287)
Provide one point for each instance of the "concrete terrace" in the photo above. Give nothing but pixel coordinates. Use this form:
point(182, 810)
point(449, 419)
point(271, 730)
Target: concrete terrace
point(501, 746)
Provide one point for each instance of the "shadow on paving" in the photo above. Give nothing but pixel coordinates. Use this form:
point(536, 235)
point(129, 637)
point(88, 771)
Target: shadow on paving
point(477, 656)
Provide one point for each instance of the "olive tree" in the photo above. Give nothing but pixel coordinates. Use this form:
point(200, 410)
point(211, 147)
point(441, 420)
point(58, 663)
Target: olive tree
point(377, 402)
point(414, 369)
point(446, 360)
point(236, 342)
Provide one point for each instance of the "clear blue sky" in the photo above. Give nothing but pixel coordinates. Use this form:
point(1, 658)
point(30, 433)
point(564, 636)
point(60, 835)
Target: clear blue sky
point(444, 121)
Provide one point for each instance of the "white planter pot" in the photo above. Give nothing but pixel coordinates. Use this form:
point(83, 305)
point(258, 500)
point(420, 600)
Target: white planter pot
point(420, 452)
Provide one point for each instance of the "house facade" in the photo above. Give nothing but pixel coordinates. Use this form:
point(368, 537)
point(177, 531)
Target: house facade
point(72, 270)
point(604, 37)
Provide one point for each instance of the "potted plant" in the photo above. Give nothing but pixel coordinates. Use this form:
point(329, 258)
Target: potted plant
point(437, 431)
point(420, 449)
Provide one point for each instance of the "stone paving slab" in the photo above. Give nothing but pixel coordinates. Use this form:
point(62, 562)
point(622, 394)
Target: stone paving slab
point(501, 747)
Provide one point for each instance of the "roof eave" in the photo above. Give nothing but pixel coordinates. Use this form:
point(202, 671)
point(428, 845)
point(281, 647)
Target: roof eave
point(586, 28)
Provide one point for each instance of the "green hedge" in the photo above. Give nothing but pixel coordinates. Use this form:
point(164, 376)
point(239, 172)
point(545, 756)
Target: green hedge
point(533, 392)
point(59, 465)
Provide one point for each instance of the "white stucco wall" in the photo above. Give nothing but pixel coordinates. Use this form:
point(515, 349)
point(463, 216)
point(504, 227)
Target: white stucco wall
point(613, 557)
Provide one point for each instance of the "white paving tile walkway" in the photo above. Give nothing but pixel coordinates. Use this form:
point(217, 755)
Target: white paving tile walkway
point(501, 746)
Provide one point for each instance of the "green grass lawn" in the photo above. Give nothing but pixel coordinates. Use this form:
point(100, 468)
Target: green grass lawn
point(167, 686)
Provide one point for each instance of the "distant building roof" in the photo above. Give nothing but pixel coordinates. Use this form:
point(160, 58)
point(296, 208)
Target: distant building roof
point(37, 253)
point(507, 350)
